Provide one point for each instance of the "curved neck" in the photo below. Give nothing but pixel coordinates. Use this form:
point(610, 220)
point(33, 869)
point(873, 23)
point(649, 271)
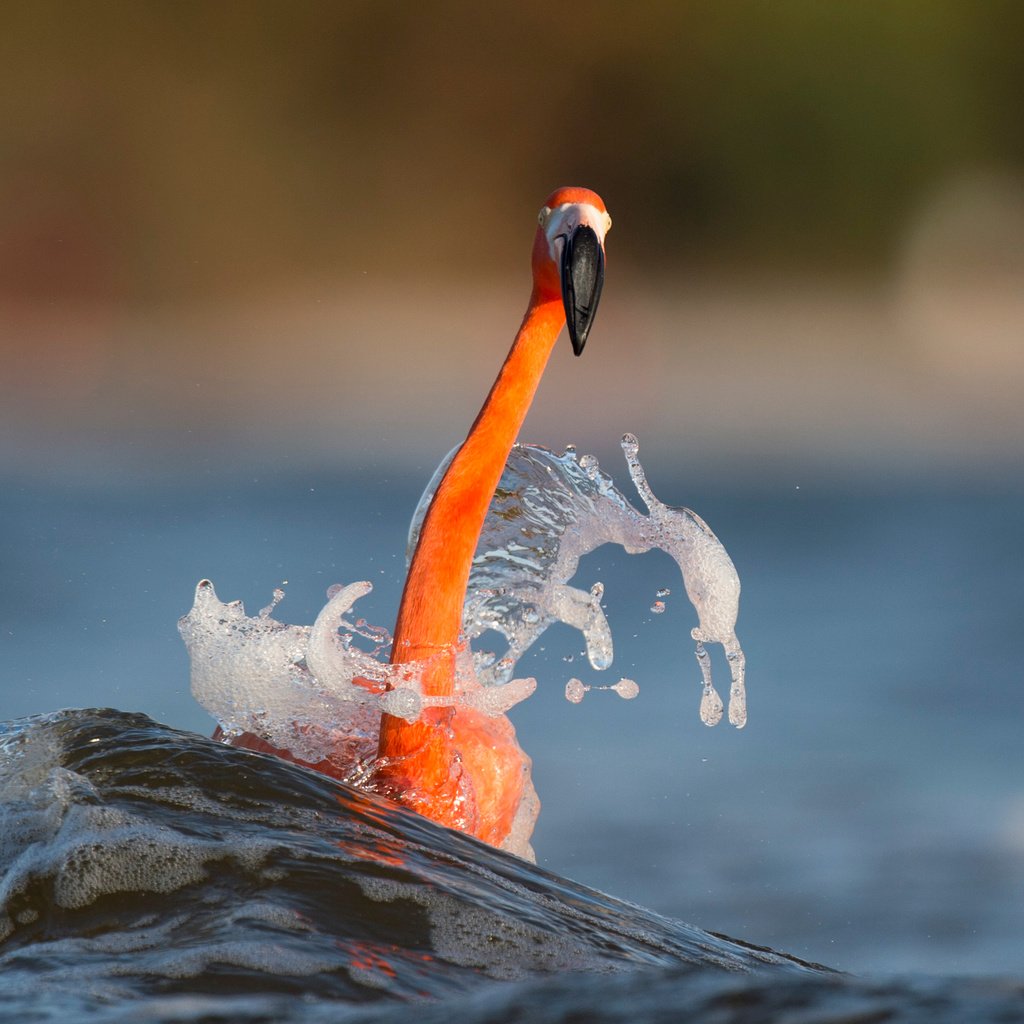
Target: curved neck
point(430, 614)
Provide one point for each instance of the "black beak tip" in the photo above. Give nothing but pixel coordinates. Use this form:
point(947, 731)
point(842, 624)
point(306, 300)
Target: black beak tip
point(582, 280)
point(578, 339)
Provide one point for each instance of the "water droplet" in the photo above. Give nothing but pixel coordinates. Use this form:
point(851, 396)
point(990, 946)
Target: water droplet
point(276, 598)
point(575, 691)
point(589, 465)
point(626, 689)
point(711, 707)
point(658, 607)
point(663, 592)
point(570, 450)
point(498, 700)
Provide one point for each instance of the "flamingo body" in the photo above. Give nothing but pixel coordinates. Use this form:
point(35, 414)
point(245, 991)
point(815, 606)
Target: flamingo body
point(456, 765)
point(418, 759)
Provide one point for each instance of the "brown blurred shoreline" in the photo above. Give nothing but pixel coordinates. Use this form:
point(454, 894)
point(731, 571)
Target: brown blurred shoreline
point(829, 374)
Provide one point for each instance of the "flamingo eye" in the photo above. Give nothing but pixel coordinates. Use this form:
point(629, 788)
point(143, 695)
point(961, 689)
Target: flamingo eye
point(542, 217)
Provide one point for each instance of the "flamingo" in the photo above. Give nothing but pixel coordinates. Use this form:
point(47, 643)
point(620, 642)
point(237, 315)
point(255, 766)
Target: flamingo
point(454, 764)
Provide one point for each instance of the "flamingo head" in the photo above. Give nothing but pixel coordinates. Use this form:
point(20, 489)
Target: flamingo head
point(568, 256)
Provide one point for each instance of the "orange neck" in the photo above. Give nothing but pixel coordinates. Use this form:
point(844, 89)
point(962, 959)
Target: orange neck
point(430, 614)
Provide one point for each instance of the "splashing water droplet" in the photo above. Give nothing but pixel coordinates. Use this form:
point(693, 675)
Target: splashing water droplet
point(498, 700)
point(275, 599)
point(658, 607)
point(626, 689)
point(548, 512)
point(737, 692)
point(710, 707)
point(663, 592)
point(402, 702)
point(575, 691)
point(589, 465)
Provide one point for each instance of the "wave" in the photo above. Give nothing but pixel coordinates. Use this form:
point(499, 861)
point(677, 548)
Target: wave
point(152, 874)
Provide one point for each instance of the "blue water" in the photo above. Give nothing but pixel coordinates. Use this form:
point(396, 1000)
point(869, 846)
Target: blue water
point(153, 874)
point(871, 815)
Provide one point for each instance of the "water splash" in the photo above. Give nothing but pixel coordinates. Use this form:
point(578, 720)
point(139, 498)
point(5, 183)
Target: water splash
point(308, 689)
point(312, 691)
point(548, 512)
point(576, 690)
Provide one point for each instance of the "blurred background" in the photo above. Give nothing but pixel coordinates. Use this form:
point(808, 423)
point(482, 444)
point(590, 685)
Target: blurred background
point(259, 262)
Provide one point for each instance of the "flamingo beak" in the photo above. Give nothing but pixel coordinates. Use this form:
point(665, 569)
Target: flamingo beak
point(582, 280)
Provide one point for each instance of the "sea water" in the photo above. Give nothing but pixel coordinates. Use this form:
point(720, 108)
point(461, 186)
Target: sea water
point(871, 814)
point(150, 874)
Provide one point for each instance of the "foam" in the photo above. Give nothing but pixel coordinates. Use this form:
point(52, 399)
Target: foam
point(309, 689)
point(54, 825)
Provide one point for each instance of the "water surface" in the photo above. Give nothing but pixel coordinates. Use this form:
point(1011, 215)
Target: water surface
point(870, 816)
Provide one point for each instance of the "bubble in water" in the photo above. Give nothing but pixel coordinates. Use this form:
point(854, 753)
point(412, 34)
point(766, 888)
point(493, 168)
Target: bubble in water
point(575, 691)
point(658, 607)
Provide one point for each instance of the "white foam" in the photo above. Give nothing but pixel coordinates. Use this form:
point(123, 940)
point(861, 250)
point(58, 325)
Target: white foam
point(59, 839)
point(295, 686)
point(312, 692)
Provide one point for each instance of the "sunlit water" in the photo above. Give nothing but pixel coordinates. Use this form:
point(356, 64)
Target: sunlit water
point(870, 816)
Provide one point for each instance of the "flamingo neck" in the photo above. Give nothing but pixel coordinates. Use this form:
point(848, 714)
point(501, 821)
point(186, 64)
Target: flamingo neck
point(430, 614)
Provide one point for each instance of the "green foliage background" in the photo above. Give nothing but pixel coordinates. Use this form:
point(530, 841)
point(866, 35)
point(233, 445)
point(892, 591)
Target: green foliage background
point(150, 150)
